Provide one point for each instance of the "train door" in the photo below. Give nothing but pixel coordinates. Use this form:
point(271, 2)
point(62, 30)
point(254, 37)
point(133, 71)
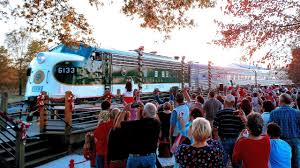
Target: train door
point(107, 70)
point(106, 66)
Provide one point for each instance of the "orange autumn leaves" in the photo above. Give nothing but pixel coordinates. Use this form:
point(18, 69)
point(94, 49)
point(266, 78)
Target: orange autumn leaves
point(57, 20)
point(294, 68)
point(260, 23)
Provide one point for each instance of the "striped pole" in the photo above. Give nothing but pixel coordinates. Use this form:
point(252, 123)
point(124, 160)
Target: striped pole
point(140, 52)
point(209, 75)
point(182, 72)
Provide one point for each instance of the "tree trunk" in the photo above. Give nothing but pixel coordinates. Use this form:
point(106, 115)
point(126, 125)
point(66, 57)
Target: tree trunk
point(20, 86)
point(20, 78)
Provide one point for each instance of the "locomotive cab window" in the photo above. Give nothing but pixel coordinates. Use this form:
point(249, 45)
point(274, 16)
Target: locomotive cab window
point(97, 56)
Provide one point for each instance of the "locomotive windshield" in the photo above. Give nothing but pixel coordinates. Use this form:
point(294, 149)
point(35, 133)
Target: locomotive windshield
point(81, 50)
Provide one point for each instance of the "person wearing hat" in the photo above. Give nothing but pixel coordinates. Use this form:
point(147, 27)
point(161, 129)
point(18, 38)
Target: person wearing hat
point(227, 127)
point(156, 96)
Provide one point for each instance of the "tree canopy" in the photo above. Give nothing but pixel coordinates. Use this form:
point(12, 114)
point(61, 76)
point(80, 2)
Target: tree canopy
point(261, 23)
point(294, 68)
point(58, 20)
point(7, 73)
point(22, 50)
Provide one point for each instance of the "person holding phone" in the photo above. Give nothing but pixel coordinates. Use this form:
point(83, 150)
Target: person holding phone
point(135, 110)
point(227, 127)
point(142, 138)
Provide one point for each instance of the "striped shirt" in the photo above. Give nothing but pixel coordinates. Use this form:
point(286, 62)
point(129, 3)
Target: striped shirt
point(228, 124)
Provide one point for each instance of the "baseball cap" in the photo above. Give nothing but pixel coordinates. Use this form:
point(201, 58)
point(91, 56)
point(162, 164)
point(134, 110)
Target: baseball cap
point(230, 98)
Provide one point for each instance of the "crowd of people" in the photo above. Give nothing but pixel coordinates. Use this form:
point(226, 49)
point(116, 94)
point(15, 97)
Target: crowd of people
point(241, 129)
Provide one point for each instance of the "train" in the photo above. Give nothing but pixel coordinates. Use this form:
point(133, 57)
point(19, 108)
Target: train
point(88, 71)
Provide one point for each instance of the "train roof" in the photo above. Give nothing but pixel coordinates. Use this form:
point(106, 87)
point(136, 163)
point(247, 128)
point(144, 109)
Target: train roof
point(244, 66)
point(234, 67)
point(86, 51)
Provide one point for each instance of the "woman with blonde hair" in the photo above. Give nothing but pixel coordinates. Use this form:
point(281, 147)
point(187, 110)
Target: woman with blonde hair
point(117, 154)
point(204, 152)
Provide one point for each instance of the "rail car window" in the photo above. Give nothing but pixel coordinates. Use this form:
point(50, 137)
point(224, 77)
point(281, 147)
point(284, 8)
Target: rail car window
point(162, 74)
point(145, 73)
point(167, 74)
point(156, 74)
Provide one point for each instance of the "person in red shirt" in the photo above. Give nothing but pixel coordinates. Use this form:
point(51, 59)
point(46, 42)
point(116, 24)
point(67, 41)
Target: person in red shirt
point(251, 148)
point(101, 139)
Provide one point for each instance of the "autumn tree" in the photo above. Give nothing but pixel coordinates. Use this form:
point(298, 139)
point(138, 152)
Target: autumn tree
point(7, 73)
point(17, 42)
point(57, 20)
point(268, 24)
point(294, 68)
point(34, 47)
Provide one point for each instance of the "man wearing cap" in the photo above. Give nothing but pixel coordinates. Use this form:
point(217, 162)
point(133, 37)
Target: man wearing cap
point(227, 127)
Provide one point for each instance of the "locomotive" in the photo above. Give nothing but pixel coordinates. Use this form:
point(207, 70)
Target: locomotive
point(88, 71)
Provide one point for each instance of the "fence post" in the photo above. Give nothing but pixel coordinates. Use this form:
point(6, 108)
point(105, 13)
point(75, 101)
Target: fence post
point(69, 104)
point(41, 101)
point(20, 150)
point(4, 102)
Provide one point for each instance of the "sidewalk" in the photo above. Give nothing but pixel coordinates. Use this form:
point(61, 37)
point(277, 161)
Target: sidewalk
point(64, 162)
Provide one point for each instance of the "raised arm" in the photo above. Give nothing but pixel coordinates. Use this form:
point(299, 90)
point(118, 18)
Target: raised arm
point(186, 94)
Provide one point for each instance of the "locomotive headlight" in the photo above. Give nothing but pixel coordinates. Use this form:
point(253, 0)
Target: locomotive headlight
point(41, 58)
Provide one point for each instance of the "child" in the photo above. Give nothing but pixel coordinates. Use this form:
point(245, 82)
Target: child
point(89, 149)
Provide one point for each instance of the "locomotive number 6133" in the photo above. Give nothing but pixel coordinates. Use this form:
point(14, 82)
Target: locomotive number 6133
point(66, 70)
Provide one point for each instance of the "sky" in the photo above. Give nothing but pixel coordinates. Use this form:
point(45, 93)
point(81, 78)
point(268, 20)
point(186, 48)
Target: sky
point(112, 29)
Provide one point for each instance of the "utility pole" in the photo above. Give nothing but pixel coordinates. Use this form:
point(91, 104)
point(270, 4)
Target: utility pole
point(255, 76)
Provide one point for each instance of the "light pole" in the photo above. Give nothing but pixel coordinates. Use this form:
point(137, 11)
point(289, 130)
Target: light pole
point(255, 77)
point(182, 72)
